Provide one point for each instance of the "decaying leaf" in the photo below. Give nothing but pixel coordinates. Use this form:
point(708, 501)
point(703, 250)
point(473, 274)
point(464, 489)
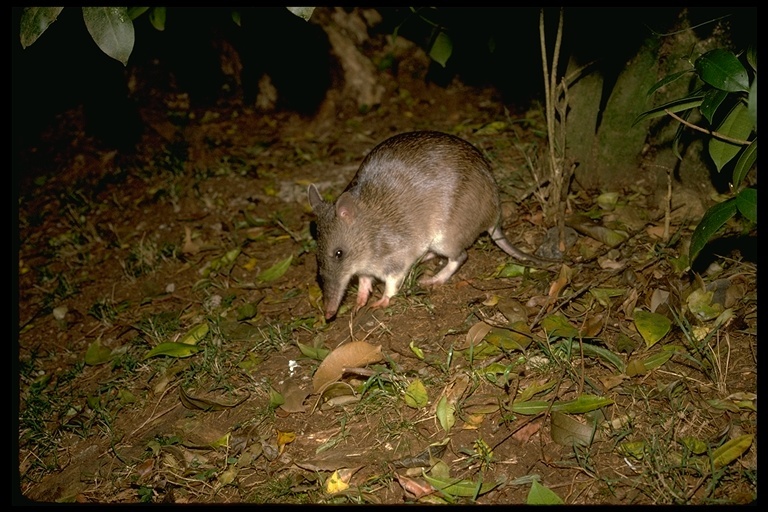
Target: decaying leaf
point(569, 431)
point(356, 353)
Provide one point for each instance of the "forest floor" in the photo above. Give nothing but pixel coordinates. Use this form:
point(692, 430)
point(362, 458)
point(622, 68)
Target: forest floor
point(170, 328)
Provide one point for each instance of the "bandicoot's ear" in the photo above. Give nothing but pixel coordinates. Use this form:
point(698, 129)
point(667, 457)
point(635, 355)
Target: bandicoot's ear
point(346, 209)
point(315, 200)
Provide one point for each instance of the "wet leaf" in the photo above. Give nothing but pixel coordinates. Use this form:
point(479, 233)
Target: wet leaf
point(34, 21)
point(171, 349)
point(540, 495)
point(721, 69)
point(651, 326)
point(112, 30)
point(97, 353)
point(354, 354)
point(275, 271)
point(731, 450)
point(416, 394)
point(445, 413)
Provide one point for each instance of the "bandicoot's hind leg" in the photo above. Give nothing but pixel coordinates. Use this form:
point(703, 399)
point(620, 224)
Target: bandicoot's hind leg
point(450, 268)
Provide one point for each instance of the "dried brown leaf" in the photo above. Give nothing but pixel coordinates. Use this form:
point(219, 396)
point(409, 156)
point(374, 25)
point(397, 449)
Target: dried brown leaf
point(356, 353)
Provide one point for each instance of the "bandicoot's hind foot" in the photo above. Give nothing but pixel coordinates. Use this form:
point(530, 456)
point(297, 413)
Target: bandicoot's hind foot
point(450, 268)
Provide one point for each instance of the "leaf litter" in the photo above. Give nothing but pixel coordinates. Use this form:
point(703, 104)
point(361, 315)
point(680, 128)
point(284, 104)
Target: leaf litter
point(479, 391)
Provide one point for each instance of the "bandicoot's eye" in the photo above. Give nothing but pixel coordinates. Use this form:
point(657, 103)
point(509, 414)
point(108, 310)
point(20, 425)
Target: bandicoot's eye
point(338, 254)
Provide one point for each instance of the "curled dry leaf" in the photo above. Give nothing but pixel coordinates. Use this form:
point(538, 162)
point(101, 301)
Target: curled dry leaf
point(357, 353)
point(477, 332)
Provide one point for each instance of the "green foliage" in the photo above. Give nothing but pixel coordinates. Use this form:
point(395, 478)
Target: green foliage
point(727, 98)
point(110, 27)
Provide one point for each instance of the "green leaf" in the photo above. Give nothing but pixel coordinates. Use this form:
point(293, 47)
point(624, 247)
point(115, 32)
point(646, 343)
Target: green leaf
point(458, 488)
point(737, 125)
point(157, 18)
point(195, 334)
point(97, 354)
point(557, 326)
point(112, 30)
point(675, 106)
point(651, 326)
point(275, 271)
point(731, 450)
point(746, 201)
point(752, 102)
point(540, 495)
point(34, 21)
point(302, 12)
point(721, 69)
point(442, 47)
point(712, 99)
point(746, 160)
point(445, 413)
point(604, 354)
point(668, 80)
point(710, 223)
point(135, 12)
point(582, 404)
point(173, 350)
point(416, 395)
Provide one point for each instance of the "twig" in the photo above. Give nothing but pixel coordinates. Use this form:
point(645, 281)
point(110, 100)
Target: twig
point(715, 134)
